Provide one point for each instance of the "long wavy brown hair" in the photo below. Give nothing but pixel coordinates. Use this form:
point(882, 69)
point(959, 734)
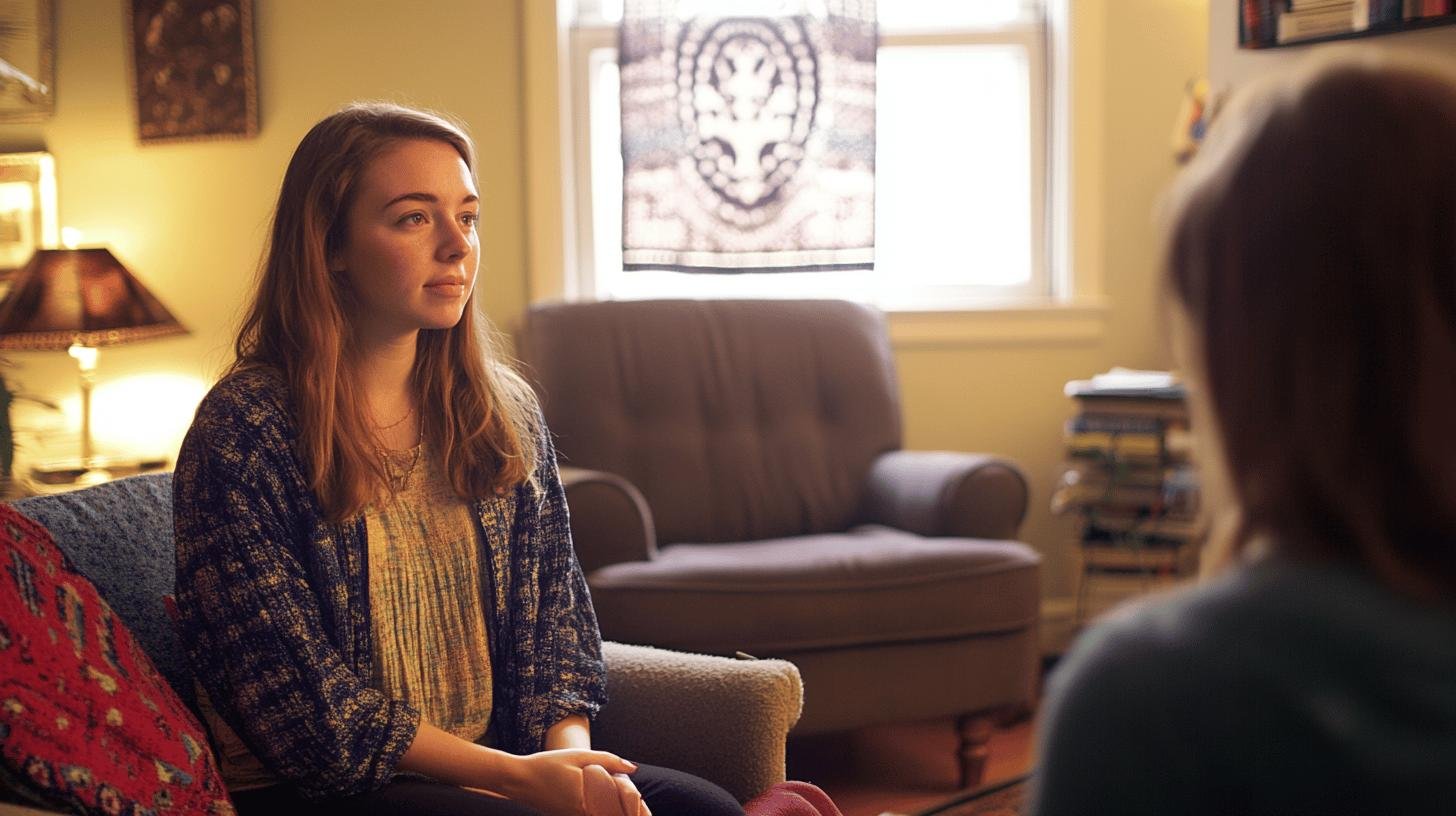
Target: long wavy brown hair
point(1312, 249)
point(476, 411)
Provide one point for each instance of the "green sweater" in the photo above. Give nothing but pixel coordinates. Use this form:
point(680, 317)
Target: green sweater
point(1279, 688)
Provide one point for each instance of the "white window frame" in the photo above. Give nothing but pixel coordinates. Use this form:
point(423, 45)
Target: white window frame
point(1058, 306)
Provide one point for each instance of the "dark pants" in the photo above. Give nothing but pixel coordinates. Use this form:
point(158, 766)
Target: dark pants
point(667, 793)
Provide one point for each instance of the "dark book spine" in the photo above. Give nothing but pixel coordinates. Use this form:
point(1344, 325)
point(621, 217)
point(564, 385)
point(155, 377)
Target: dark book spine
point(1115, 423)
point(1248, 22)
point(1269, 22)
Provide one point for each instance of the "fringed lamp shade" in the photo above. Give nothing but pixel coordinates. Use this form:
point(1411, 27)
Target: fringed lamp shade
point(66, 297)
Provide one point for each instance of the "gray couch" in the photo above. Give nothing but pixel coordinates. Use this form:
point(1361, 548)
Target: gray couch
point(722, 719)
point(738, 483)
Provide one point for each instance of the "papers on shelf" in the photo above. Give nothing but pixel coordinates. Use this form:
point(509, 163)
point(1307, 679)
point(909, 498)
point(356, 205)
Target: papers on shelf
point(1126, 381)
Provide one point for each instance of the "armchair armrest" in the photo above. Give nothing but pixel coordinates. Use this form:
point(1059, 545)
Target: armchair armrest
point(942, 493)
point(610, 521)
point(725, 720)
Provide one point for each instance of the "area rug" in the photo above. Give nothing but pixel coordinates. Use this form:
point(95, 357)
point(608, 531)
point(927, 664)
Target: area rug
point(1008, 798)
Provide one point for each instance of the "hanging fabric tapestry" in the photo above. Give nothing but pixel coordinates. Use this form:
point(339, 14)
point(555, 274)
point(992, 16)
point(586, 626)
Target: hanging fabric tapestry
point(748, 142)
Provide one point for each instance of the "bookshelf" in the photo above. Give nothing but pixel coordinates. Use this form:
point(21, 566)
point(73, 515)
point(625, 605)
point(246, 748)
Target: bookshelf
point(1274, 23)
point(1130, 483)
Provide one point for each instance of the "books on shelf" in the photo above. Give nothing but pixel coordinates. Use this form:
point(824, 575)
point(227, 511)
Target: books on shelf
point(1096, 422)
point(1155, 407)
point(1308, 19)
point(1264, 23)
point(1108, 525)
point(1115, 445)
point(1128, 462)
point(1419, 9)
point(1157, 446)
point(1130, 481)
point(1128, 383)
point(1133, 490)
point(1169, 559)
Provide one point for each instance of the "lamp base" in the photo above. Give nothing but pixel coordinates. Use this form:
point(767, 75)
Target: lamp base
point(94, 476)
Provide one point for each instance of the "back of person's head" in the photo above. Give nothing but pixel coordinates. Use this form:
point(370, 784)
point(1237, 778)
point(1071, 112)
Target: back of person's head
point(1312, 254)
point(476, 412)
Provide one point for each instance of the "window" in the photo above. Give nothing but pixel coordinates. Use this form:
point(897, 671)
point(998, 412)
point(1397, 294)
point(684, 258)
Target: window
point(961, 164)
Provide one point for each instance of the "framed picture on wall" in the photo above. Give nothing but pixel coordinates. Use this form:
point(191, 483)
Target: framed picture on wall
point(27, 208)
point(27, 60)
point(193, 70)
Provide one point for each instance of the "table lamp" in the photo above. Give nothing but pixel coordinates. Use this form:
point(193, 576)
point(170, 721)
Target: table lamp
point(78, 300)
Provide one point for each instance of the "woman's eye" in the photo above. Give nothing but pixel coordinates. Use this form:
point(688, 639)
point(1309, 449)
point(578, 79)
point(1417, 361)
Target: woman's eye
point(470, 219)
point(413, 218)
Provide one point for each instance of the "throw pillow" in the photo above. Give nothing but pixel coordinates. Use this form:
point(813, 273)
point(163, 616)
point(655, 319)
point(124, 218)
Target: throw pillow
point(86, 722)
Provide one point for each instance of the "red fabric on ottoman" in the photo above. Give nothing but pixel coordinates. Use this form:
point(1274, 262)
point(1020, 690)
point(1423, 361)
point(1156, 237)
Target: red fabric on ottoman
point(85, 719)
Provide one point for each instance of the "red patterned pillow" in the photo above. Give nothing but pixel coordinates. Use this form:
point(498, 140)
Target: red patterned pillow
point(86, 722)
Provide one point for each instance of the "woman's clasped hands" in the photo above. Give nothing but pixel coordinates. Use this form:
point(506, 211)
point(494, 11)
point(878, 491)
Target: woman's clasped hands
point(576, 782)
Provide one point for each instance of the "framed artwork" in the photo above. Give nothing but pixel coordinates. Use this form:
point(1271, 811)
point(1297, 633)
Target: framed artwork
point(27, 60)
point(27, 208)
point(193, 71)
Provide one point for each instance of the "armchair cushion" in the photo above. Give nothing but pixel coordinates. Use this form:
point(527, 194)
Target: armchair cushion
point(941, 493)
point(722, 719)
point(870, 586)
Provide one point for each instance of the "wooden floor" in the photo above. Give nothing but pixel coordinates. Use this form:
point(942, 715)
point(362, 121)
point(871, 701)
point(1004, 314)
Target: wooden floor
point(901, 768)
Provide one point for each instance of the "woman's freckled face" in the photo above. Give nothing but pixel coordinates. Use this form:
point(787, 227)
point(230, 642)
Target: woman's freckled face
point(411, 253)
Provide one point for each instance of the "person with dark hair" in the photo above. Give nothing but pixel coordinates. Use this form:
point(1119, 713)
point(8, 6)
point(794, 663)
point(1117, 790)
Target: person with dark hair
point(1311, 269)
point(375, 575)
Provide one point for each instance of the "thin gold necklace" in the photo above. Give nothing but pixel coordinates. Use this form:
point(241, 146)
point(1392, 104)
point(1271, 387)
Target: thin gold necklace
point(397, 422)
point(399, 481)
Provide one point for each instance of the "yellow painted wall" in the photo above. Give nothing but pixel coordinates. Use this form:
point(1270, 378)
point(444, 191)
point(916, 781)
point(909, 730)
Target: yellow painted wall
point(189, 219)
point(1009, 399)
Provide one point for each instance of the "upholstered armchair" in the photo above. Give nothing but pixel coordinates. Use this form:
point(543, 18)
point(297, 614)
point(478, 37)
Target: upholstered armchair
point(737, 485)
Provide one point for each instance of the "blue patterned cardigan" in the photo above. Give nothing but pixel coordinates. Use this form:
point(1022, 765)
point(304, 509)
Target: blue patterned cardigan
point(274, 603)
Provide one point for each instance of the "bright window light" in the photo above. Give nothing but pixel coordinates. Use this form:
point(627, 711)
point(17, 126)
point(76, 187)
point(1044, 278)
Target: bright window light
point(952, 165)
point(940, 14)
point(960, 165)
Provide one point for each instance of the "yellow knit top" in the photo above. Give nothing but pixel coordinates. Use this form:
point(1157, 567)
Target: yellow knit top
point(427, 599)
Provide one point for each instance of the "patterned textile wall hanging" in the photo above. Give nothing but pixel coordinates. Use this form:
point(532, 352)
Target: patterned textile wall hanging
point(748, 142)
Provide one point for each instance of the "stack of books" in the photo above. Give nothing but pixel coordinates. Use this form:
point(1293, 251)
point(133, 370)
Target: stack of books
point(1129, 479)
